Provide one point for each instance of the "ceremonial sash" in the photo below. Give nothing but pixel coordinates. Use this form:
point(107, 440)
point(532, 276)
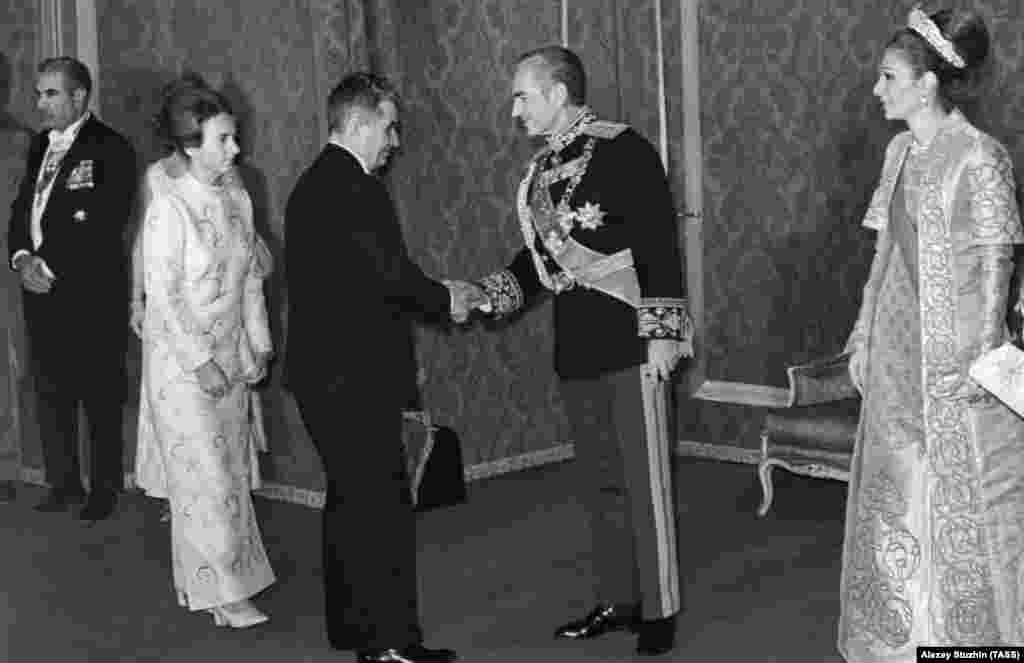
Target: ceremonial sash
point(613, 275)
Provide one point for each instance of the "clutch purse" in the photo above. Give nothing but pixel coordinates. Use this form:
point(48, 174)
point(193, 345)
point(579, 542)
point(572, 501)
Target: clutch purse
point(1001, 372)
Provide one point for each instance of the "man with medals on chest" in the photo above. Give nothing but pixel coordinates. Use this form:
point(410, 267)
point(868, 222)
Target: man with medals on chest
point(65, 240)
point(599, 230)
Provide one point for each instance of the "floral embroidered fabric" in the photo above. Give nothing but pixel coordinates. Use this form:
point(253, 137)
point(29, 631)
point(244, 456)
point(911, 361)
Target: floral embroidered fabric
point(934, 538)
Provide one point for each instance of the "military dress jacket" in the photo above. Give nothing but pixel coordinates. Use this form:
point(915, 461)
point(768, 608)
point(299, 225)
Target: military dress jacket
point(600, 232)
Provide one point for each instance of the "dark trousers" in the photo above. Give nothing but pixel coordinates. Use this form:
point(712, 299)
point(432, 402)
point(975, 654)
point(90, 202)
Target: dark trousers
point(620, 430)
point(369, 528)
point(58, 427)
point(71, 371)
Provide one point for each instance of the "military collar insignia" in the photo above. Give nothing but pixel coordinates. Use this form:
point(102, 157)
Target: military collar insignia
point(558, 142)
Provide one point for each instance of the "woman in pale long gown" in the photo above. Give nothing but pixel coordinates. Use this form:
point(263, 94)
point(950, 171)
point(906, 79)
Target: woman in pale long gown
point(205, 340)
point(149, 469)
point(935, 510)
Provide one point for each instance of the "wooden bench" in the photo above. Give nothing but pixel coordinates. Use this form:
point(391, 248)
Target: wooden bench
point(814, 434)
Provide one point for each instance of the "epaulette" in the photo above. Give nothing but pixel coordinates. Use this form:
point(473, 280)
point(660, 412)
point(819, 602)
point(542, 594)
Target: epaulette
point(604, 129)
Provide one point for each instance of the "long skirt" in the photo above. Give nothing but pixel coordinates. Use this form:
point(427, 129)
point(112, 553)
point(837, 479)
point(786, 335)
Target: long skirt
point(933, 536)
point(205, 471)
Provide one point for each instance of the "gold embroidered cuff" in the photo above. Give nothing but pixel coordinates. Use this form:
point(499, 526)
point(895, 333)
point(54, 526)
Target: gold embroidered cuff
point(664, 318)
point(503, 291)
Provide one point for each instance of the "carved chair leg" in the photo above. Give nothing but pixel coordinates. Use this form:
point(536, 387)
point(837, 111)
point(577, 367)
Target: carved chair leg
point(764, 471)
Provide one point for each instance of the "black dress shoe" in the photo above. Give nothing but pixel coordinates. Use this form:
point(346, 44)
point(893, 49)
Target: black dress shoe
point(98, 507)
point(657, 636)
point(57, 500)
point(603, 619)
point(411, 654)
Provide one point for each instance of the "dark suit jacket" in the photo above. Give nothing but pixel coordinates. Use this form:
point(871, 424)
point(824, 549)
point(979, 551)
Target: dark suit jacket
point(352, 289)
point(78, 327)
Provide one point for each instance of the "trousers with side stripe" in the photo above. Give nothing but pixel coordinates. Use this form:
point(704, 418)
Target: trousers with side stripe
point(620, 425)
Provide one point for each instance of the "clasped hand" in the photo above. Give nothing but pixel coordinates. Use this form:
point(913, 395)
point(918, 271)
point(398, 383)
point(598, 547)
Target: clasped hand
point(466, 297)
point(212, 380)
point(33, 275)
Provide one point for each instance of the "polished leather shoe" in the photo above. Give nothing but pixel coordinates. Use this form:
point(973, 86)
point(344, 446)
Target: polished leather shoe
point(657, 636)
point(56, 501)
point(97, 507)
point(411, 654)
point(603, 619)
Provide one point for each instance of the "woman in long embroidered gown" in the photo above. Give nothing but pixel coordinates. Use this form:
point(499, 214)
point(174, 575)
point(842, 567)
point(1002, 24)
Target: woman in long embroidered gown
point(149, 471)
point(205, 339)
point(935, 511)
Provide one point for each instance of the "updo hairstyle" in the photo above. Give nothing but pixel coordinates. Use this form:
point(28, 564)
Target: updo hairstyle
point(966, 31)
point(188, 102)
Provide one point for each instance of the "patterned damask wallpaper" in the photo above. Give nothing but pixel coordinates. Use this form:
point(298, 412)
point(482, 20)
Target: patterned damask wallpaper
point(454, 183)
point(793, 142)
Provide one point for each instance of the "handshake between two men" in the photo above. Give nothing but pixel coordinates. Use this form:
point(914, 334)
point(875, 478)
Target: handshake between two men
point(662, 354)
point(467, 297)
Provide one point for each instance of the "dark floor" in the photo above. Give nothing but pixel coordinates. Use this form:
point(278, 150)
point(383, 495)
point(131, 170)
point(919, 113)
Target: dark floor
point(498, 574)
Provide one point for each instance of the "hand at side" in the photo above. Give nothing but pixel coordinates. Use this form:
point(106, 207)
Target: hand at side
point(662, 355)
point(33, 276)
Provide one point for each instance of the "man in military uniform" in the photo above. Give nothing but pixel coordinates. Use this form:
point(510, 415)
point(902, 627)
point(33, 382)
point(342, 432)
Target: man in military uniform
point(599, 226)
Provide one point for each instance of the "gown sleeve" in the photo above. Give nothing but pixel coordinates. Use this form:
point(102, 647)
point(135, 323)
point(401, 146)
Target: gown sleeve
point(883, 249)
point(995, 227)
point(254, 308)
point(163, 251)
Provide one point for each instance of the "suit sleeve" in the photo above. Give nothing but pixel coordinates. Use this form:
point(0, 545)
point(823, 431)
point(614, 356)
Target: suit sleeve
point(380, 253)
point(18, 235)
point(653, 237)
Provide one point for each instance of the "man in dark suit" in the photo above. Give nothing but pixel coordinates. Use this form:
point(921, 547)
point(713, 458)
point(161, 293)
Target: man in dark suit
point(351, 366)
point(66, 242)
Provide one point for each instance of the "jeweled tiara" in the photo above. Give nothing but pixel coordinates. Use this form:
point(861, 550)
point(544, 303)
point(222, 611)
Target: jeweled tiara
point(920, 23)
